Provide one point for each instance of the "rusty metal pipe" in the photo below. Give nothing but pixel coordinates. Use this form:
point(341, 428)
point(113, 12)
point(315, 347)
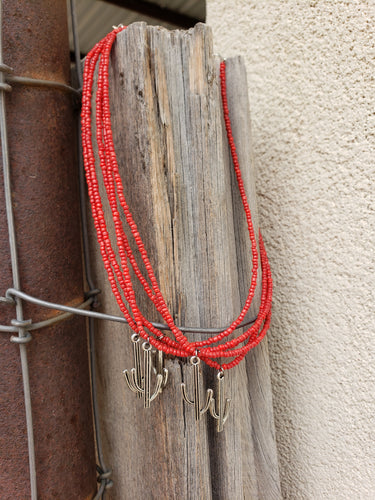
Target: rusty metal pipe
point(45, 204)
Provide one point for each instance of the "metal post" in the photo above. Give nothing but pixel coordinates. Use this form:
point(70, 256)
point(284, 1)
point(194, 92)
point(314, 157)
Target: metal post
point(39, 205)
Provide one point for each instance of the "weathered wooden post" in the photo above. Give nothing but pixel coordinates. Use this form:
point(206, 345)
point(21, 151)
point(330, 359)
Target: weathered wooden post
point(174, 160)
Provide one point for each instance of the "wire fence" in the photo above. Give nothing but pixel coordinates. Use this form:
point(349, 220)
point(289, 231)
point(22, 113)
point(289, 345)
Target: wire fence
point(15, 296)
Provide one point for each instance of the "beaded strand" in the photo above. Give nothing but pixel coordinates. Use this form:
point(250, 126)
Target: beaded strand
point(119, 271)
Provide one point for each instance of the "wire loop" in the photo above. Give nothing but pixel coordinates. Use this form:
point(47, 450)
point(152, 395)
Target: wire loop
point(21, 340)
point(4, 68)
point(104, 477)
point(5, 87)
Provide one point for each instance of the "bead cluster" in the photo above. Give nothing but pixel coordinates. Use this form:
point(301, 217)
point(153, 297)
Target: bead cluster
point(119, 271)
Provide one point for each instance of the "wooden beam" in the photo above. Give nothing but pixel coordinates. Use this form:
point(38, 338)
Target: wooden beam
point(156, 11)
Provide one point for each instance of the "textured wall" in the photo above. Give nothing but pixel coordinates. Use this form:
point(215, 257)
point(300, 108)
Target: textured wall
point(311, 72)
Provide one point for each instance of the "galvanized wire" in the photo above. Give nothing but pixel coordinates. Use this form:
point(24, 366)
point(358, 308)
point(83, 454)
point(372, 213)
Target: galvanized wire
point(22, 332)
point(12, 294)
point(36, 82)
point(105, 481)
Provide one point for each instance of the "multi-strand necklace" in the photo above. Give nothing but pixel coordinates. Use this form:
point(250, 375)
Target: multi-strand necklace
point(118, 264)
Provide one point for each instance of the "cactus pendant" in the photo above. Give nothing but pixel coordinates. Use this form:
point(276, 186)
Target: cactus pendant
point(223, 407)
point(135, 338)
point(141, 384)
point(195, 361)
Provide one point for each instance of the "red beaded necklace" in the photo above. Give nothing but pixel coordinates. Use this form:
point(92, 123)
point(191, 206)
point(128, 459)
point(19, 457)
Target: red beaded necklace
point(119, 271)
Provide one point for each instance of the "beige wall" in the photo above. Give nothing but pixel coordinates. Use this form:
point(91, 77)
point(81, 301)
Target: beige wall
point(311, 72)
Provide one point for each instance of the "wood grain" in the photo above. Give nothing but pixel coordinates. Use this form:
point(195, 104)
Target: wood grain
point(173, 155)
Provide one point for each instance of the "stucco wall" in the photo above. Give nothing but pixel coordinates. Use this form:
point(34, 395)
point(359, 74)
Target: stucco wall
point(311, 73)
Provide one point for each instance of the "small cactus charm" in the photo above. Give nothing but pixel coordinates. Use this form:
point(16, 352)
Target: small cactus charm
point(135, 338)
point(223, 408)
point(142, 384)
point(195, 361)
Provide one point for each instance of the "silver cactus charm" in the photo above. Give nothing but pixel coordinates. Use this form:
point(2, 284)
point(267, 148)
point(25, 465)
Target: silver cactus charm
point(135, 338)
point(141, 384)
point(223, 408)
point(195, 361)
